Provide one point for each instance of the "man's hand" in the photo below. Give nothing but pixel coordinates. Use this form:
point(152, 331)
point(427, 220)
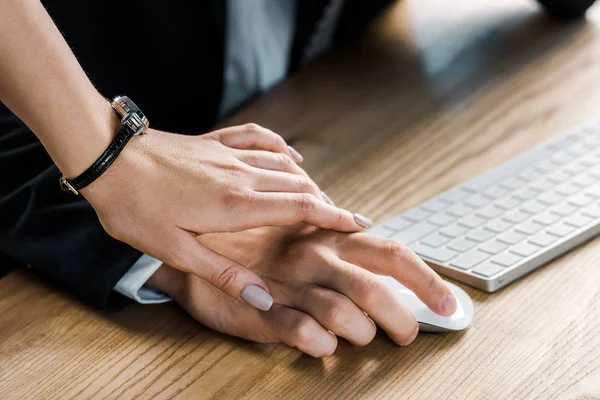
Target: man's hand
point(323, 283)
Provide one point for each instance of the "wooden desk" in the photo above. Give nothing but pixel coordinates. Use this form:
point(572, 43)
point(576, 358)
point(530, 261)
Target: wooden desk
point(433, 94)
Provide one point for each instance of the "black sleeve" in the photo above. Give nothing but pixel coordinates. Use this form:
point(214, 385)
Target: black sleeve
point(55, 233)
point(567, 9)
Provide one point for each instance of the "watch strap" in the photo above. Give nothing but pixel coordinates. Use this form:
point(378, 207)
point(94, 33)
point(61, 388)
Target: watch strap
point(100, 166)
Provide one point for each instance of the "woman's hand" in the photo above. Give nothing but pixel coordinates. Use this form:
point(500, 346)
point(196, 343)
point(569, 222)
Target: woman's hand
point(322, 282)
point(165, 188)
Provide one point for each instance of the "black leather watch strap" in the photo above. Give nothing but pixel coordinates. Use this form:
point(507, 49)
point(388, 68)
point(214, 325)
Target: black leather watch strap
point(101, 165)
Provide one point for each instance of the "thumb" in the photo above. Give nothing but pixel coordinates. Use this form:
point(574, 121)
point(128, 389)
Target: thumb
point(222, 272)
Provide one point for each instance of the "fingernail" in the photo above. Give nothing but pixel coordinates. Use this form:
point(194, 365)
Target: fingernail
point(327, 199)
point(363, 221)
point(449, 304)
point(295, 155)
point(411, 338)
point(257, 297)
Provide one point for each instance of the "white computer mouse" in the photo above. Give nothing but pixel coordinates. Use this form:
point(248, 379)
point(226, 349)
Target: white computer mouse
point(430, 321)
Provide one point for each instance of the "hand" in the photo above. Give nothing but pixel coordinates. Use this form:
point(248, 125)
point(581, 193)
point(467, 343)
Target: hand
point(321, 281)
point(166, 188)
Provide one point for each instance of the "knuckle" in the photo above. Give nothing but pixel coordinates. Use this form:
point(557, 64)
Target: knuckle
point(252, 128)
point(226, 278)
point(307, 203)
point(285, 162)
point(302, 331)
point(370, 291)
point(336, 312)
point(398, 251)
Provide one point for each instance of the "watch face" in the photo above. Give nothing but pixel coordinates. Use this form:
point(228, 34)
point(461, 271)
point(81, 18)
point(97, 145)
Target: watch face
point(126, 108)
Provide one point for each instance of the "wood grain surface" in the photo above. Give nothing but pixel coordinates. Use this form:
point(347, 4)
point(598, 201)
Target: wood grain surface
point(434, 93)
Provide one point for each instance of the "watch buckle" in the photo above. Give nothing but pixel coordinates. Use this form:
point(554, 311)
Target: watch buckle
point(66, 186)
point(135, 123)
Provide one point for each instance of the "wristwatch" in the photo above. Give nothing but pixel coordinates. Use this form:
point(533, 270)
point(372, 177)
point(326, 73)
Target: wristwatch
point(133, 122)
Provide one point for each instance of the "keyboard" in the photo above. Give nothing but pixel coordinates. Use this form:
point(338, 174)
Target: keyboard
point(501, 225)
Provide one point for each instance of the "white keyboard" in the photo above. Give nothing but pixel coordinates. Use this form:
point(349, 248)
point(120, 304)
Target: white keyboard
point(499, 226)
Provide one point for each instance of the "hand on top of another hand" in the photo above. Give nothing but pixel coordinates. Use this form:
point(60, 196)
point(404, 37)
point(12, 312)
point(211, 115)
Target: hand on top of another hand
point(165, 188)
point(323, 282)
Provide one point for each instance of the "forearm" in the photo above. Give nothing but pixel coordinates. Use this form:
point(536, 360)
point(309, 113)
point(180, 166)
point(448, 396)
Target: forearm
point(44, 85)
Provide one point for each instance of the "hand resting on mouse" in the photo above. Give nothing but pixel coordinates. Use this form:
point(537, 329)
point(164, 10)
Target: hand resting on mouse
point(321, 282)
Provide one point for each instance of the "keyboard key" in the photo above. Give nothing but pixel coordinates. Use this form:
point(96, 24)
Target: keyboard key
point(583, 180)
point(441, 255)
point(435, 205)
point(525, 194)
point(459, 210)
point(476, 201)
point(550, 198)
point(453, 231)
point(593, 191)
point(511, 237)
point(544, 166)
point(487, 269)
point(469, 260)
point(494, 192)
point(498, 226)
point(524, 249)
point(578, 220)
point(471, 221)
point(541, 185)
point(529, 227)
point(506, 259)
point(529, 175)
point(462, 245)
point(533, 207)
point(398, 223)
point(561, 229)
point(508, 203)
point(381, 231)
point(559, 177)
point(546, 218)
point(567, 189)
point(580, 200)
point(542, 239)
point(592, 211)
point(435, 240)
point(563, 209)
point(480, 235)
point(416, 214)
point(454, 195)
point(489, 212)
point(493, 247)
point(512, 183)
point(441, 219)
point(414, 232)
point(574, 168)
point(515, 216)
point(560, 157)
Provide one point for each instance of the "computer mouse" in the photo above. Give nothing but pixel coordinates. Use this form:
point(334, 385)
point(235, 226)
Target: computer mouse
point(427, 319)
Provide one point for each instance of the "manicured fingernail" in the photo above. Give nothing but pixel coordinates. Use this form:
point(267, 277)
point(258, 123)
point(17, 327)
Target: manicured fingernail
point(295, 155)
point(327, 199)
point(363, 221)
point(449, 304)
point(257, 297)
point(411, 338)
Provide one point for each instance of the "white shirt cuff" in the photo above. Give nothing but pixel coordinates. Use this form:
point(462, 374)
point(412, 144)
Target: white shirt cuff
point(132, 283)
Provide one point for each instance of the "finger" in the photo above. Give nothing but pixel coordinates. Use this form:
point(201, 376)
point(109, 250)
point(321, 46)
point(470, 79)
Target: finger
point(391, 258)
point(275, 181)
point(237, 281)
point(332, 310)
point(280, 324)
point(373, 296)
point(292, 208)
point(270, 161)
point(300, 330)
point(252, 135)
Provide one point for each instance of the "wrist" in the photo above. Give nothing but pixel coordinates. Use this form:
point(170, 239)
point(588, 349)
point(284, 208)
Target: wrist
point(91, 129)
point(169, 281)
